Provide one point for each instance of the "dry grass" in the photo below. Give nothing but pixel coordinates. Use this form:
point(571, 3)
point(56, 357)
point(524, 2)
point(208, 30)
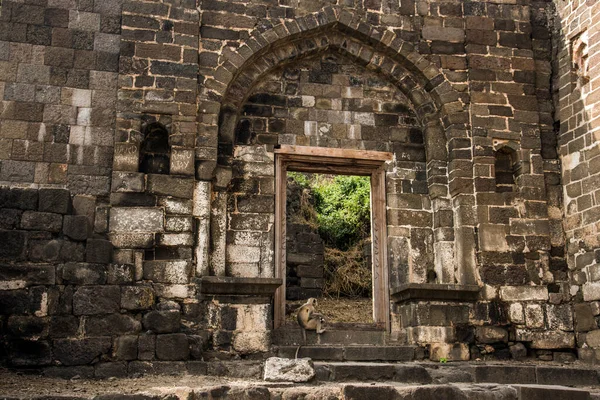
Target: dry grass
point(347, 273)
point(359, 310)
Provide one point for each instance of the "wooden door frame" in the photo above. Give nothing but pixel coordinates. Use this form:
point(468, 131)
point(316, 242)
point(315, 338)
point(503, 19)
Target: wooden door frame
point(342, 162)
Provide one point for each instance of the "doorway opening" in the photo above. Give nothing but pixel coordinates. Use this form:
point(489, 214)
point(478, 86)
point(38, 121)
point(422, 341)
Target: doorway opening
point(328, 257)
point(327, 161)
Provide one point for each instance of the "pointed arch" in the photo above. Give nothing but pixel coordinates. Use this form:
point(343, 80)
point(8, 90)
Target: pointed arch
point(441, 109)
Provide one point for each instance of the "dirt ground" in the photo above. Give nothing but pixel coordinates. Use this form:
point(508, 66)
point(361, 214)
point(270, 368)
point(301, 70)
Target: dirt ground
point(358, 311)
point(25, 386)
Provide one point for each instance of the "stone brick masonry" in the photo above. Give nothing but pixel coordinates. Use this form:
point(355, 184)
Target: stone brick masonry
point(138, 178)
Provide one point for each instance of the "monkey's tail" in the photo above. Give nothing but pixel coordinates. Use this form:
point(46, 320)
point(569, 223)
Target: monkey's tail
point(297, 351)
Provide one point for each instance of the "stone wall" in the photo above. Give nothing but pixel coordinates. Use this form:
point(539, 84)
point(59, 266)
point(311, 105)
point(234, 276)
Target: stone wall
point(59, 66)
point(576, 99)
point(168, 113)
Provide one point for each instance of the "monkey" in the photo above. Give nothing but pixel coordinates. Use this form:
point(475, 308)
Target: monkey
point(309, 319)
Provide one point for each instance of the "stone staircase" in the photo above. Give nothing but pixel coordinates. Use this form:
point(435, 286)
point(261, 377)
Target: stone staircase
point(342, 342)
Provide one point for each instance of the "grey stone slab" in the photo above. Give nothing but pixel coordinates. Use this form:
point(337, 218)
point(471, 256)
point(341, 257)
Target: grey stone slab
point(505, 374)
point(538, 392)
point(566, 376)
point(379, 353)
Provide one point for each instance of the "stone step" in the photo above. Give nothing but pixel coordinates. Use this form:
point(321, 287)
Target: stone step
point(293, 337)
point(433, 373)
point(349, 353)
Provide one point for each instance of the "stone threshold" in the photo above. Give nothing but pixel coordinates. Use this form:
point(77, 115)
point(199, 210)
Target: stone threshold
point(434, 292)
point(224, 285)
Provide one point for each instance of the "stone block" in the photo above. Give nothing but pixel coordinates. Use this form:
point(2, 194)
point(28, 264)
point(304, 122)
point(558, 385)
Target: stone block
point(23, 199)
point(128, 182)
point(136, 219)
point(493, 237)
point(146, 347)
point(524, 293)
point(537, 392)
point(317, 353)
point(358, 392)
point(591, 291)
point(546, 340)
point(172, 347)
point(288, 370)
point(29, 353)
point(112, 324)
point(10, 218)
point(54, 200)
point(168, 271)
point(504, 374)
point(550, 375)
point(132, 240)
point(137, 297)
point(175, 239)
point(16, 301)
point(379, 353)
point(82, 274)
point(126, 157)
point(63, 326)
point(309, 271)
point(491, 334)
point(251, 342)
point(120, 274)
point(534, 316)
point(98, 251)
point(178, 224)
point(162, 321)
point(107, 370)
point(86, 206)
point(449, 351)
point(76, 226)
point(357, 372)
point(584, 318)
point(41, 221)
point(202, 198)
point(20, 276)
point(81, 351)
point(170, 186)
point(518, 351)
point(593, 339)
point(182, 161)
point(27, 326)
point(175, 206)
point(12, 245)
point(446, 34)
point(90, 300)
point(560, 316)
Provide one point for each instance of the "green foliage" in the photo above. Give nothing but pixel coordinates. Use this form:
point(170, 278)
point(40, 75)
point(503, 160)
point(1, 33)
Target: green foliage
point(342, 204)
point(339, 207)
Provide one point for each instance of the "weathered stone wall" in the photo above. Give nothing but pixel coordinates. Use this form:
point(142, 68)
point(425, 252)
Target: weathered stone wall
point(461, 92)
point(576, 100)
point(58, 84)
point(304, 263)
point(330, 101)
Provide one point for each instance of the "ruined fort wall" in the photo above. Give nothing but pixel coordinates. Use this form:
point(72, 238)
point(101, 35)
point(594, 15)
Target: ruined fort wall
point(476, 201)
point(60, 63)
point(577, 114)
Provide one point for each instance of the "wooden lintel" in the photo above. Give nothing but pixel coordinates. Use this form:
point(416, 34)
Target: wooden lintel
point(334, 153)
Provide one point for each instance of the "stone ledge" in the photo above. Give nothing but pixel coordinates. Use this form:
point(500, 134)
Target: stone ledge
point(224, 285)
point(434, 291)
